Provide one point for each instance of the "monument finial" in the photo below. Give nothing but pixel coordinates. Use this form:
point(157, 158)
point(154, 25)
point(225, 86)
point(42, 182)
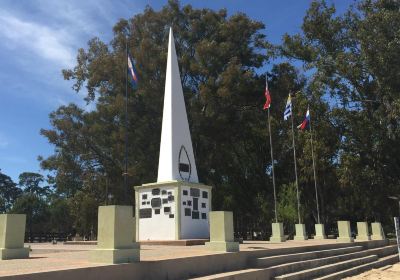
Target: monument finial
point(176, 161)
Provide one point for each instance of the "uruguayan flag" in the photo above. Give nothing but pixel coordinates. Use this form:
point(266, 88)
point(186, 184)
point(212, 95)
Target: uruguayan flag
point(288, 109)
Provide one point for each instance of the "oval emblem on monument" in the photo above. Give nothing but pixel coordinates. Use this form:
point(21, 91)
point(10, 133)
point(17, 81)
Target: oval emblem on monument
point(184, 166)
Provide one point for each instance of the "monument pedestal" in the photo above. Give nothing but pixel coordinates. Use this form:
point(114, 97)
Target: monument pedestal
point(172, 210)
point(362, 232)
point(221, 232)
point(300, 232)
point(12, 232)
point(377, 231)
point(277, 233)
point(319, 231)
point(8, 254)
point(115, 242)
point(344, 232)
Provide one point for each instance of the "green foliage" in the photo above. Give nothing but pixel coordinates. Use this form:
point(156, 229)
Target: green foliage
point(9, 192)
point(31, 183)
point(83, 210)
point(218, 57)
point(60, 216)
point(354, 58)
point(351, 83)
point(287, 206)
point(36, 211)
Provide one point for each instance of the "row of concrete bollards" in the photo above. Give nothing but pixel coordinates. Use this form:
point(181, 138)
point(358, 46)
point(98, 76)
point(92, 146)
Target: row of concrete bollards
point(344, 231)
point(116, 241)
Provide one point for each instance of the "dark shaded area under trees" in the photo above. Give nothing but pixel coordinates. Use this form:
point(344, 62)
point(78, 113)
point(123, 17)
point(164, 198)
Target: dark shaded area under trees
point(350, 77)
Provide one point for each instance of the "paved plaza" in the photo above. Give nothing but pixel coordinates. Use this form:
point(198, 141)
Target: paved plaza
point(49, 257)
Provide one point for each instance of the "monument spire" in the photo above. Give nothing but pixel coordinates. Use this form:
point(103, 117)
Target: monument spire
point(176, 160)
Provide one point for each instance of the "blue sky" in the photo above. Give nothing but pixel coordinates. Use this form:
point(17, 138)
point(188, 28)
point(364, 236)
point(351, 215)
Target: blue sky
point(39, 38)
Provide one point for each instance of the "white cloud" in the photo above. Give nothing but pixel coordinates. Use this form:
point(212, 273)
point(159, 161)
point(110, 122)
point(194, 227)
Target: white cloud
point(39, 39)
point(45, 42)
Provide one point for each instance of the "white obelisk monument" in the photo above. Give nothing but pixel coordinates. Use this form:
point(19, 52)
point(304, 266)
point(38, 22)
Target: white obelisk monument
point(176, 206)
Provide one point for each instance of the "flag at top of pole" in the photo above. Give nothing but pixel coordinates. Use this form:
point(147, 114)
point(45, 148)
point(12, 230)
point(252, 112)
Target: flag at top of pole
point(132, 72)
point(288, 108)
point(267, 96)
point(305, 122)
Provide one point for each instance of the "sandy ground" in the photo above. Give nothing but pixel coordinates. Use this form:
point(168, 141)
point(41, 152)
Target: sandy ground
point(390, 272)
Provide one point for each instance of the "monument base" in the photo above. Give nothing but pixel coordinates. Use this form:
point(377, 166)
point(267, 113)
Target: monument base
point(222, 246)
point(20, 253)
point(377, 237)
point(362, 232)
point(300, 232)
point(114, 256)
point(345, 239)
point(319, 231)
point(277, 233)
point(362, 238)
point(377, 232)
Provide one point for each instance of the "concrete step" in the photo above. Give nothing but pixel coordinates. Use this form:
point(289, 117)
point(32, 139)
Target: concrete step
point(302, 249)
point(286, 267)
point(387, 260)
point(327, 269)
point(284, 264)
point(383, 251)
point(284, 259)
point(245, 274)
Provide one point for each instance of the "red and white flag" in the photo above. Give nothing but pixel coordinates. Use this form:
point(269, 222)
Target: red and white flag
point(267, 96)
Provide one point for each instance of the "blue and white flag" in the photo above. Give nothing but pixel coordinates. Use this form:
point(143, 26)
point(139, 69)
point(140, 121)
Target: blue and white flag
point(132, 72)
point(288, 109)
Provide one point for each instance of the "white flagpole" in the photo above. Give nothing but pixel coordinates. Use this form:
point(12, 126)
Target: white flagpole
point(272, 163)
point(295, 169)
point(315, 174)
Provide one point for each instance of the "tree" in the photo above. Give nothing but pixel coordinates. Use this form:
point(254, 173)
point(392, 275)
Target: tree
point(36, 211)
point(60, 215)
point(218, 58)
point(354, 59)
point(9, 192)
point(31, 183)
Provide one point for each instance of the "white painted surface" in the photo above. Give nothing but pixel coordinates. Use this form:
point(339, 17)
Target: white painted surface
point(159, 226)
point(175, 128)
point(195, 228)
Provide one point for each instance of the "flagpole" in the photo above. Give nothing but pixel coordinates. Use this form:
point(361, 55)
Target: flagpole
point(295, 170)
point(272, 163)
point(315, 174)
point(126, 120)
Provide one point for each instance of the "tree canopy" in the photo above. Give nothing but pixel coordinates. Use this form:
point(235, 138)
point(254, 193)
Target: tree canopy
point(345, 67)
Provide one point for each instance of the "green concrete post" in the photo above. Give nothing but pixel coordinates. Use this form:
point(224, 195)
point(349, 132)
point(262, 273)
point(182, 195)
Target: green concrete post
point(300, 232)
point(362, 232)
point(377, 232)
point(221, 232)
point(12, 233)
point(344, 232)
point(277, 233)
point(115, 231)
point(319, 231)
